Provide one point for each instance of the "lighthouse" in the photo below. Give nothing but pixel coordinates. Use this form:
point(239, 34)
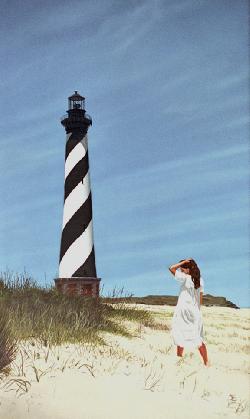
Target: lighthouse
point(77, 269)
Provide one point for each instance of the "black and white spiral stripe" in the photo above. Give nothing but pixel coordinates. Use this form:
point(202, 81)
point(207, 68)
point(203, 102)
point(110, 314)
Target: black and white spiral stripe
point(77, 256)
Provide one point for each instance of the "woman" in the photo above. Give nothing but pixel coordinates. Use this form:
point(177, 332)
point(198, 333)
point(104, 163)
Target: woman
point(187, 324)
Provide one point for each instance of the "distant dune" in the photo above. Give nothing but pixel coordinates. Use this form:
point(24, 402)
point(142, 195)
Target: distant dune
point(171, 300)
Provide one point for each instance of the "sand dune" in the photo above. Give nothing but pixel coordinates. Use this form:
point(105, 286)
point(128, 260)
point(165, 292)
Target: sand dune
point(138, 378)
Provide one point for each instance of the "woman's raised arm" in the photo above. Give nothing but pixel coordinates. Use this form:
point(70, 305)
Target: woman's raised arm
point(173, 268)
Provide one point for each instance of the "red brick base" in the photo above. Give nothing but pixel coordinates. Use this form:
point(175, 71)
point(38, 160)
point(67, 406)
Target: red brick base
point(78, 286)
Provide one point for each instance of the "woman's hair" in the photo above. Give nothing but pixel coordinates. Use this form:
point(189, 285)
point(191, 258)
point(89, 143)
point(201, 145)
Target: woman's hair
point(194, 272)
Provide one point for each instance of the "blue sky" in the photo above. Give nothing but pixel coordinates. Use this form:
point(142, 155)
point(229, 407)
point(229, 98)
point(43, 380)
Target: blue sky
point(165, 82)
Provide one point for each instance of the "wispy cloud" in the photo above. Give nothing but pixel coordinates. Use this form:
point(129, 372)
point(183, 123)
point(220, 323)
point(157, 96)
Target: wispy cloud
point(232, 80)
point(200, 173)
point(171, 228)
point(181, 247)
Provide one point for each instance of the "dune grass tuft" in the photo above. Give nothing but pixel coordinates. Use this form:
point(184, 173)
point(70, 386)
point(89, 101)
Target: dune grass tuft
point(43, 313)
point(8, 346)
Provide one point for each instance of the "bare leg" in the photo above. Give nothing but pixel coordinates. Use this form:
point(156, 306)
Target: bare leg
point(203, 352)
point(179, 350)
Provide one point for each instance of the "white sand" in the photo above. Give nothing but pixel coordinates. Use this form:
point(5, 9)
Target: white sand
point(137, 378)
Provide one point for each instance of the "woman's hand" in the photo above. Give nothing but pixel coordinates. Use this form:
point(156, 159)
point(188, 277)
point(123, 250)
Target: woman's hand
point(173, 268)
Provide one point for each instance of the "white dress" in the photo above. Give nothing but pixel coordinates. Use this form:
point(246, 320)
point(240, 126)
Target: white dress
point(187, 323)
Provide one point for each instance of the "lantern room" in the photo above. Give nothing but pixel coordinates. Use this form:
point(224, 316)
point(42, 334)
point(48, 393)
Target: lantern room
point(76, 101)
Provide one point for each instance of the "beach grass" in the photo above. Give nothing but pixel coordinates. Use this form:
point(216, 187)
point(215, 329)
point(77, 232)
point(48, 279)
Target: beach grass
point(8, 344)
point(42, 313)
